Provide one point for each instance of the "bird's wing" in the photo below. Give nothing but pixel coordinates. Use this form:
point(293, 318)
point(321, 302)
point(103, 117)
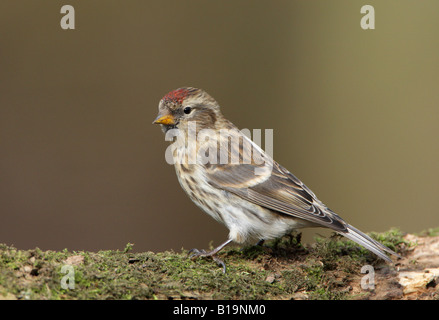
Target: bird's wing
point(266, 183)
point(275, 188)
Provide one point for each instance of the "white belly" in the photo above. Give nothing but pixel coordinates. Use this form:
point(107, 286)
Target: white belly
point(246, 221)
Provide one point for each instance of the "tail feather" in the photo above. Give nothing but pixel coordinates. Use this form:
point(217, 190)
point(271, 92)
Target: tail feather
point(372, 245)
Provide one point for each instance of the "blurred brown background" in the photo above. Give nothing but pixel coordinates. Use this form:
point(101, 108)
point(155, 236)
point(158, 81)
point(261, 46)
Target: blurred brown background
point(355, 112)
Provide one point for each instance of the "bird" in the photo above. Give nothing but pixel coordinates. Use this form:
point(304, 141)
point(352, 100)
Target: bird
point(233, 180)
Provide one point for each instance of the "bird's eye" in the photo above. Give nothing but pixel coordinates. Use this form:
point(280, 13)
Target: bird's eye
point(187, 110)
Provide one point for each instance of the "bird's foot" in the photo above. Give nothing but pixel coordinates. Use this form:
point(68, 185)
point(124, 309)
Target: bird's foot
point(203, 253)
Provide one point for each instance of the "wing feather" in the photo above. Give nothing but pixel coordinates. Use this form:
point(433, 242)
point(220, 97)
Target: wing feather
point(274, 188)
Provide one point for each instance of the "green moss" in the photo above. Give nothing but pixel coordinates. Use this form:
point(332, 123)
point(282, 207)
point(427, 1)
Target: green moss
point(337, 247)
point(294, 280)
point(203, 276)
point(321, 285)
point(277, 270)
point(430, 232)
point(393, 239)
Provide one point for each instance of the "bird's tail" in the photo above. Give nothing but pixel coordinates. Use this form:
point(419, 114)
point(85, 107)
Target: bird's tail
point(363, 239)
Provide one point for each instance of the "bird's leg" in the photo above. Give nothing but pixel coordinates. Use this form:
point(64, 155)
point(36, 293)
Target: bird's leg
point(202, 253)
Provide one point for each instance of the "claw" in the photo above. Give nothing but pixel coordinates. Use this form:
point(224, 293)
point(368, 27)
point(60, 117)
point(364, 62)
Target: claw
point(220, 263)
point(197, 253)
point(202, 253)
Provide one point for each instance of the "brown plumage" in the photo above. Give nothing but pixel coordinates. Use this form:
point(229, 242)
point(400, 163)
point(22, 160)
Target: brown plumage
point(238, 184)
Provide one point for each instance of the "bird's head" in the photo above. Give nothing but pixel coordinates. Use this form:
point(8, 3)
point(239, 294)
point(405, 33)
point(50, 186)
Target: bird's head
point(183, 105)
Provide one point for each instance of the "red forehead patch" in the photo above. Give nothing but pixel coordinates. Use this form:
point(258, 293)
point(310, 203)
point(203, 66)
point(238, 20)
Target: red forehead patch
point(177, 95)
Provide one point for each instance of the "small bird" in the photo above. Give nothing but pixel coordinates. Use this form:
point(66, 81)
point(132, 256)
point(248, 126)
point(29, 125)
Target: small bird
point(233, 180)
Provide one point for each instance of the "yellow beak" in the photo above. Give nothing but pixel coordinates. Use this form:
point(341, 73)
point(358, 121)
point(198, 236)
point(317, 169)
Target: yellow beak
point(167, 119)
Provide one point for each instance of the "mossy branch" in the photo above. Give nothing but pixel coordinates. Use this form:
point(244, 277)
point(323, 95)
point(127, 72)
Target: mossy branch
point(281, 269)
